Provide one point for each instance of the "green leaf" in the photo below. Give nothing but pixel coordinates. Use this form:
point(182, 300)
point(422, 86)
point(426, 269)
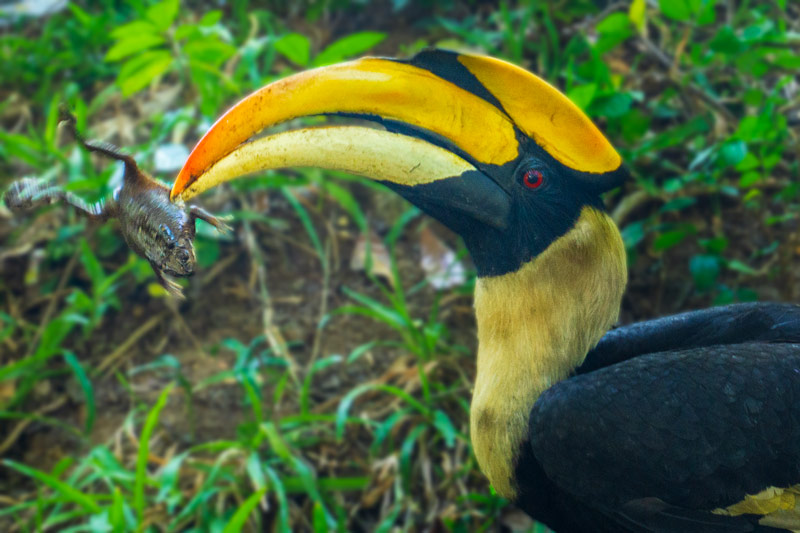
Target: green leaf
point(704, 269)
point(211, 51)
point(91, 264)
point(86, 387)
point(144, 451)
point(254, 470)
point(445, 427)
point(307, 478)
point(348, 202)
point(676, 9)
point(726, 42)
point(283, 503)
point(295, 47)
point(716, 246)
point(211, 18)
point(350, 397)
point(169, 477)
point(676, 204)
point(733, 152)
point(612, 105)
point(186, 31)
point(116, 512)
point(54, 333)
point(139, 71)
point(207, 251)
point(358, 351)
point(632, 234)
point(749, 179)
point(582, 95)
point(738, 266)
point(637, 13)
point(320, 521)
point(704, 12)
point(668, 239)
point(787, 59)
point(132, 45)
point(64, 490)
point(406, 451)
point(163, 13)
point(349, 46)
point(700, 11)
point(276, 442)
point(239, 518)
point(137, 28)
point(305, 391)
point(750, 162)
point(614, 23)
point(305, 218)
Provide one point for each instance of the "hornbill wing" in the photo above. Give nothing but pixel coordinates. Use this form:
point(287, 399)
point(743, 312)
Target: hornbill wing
point(730, 324)
point(676, 435)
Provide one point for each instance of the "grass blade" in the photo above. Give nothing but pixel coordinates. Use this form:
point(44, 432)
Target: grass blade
point(144, 451)
point(65, 490)
point(347, 402)
point(239, 518)
point(86, 387)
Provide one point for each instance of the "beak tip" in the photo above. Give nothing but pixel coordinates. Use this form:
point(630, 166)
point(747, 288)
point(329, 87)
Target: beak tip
point(178, 187)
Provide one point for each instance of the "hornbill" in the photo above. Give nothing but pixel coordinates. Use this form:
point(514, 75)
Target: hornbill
point(685, 423)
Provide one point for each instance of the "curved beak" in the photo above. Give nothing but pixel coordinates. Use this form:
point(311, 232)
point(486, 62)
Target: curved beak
point(449, 126)
point(378, 90)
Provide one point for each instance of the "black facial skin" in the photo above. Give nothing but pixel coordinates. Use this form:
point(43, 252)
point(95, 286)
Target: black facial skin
point(505, 224)
point(155, 228)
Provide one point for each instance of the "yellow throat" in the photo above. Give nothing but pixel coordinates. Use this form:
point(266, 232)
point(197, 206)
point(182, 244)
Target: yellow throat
point(535, 326)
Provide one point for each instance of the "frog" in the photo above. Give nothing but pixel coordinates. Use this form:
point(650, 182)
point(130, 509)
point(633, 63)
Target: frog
point(155, 228)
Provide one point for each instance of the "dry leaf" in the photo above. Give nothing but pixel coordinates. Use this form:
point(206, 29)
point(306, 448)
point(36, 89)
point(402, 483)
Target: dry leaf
point(7, 390)
point(158, 101)
point(379, 261)
point(442, 269)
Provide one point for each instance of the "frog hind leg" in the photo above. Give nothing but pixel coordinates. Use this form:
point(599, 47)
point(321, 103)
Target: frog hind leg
point(104, 148)
point(29, 193)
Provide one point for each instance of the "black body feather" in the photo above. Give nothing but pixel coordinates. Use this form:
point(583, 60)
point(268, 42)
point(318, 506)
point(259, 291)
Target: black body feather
point(668, 420)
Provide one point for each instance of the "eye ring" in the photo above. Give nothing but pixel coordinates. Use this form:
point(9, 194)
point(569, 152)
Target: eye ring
point(533, 179)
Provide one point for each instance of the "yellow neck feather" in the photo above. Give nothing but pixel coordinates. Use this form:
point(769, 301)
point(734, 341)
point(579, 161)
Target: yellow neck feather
point(534, 326)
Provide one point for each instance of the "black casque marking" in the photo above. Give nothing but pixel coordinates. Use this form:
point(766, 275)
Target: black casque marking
point(445, 64)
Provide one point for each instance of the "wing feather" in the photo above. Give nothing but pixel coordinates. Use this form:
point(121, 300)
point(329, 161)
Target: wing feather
point(696, 429)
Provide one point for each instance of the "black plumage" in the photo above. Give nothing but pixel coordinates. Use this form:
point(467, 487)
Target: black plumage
point(730, 324)
point(668, 420)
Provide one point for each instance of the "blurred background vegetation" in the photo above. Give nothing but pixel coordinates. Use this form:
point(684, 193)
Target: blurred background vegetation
point(304, 384)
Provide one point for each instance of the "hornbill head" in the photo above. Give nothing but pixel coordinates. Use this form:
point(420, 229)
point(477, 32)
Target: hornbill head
point(487, 148)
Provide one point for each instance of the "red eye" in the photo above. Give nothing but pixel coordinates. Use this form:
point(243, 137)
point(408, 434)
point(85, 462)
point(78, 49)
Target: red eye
point(533, 179)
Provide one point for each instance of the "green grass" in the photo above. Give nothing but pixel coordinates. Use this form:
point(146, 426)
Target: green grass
point(698, 96)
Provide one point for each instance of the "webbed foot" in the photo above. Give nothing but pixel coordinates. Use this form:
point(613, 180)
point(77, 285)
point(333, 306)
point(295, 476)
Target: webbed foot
point(28, 193)
point(173, 288)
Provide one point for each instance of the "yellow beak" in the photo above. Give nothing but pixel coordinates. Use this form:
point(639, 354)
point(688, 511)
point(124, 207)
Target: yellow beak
point(440, 123)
